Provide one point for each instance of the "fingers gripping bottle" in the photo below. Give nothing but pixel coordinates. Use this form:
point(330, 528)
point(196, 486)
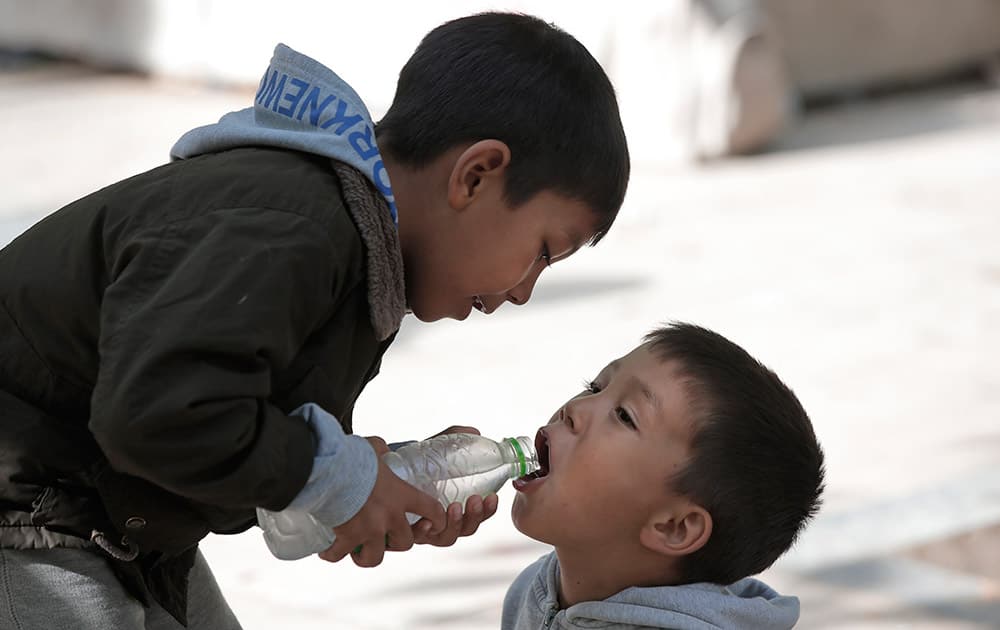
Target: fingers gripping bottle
point(451, 467)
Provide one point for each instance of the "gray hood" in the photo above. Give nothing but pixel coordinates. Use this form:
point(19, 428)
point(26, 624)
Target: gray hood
point(302, 105)
point(748, 604)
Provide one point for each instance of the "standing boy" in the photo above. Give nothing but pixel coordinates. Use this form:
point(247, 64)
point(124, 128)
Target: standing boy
point(158, 335)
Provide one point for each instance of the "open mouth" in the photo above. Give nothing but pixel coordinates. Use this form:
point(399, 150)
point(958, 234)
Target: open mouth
point(477, 303)
point(542, 448)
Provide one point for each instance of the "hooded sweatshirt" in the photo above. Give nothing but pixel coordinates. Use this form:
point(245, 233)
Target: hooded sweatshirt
point(532, 604)
point(304, 106)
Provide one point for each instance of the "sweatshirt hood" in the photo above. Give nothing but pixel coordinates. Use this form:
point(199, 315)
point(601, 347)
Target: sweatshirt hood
point(304, 106)
point(748, 604)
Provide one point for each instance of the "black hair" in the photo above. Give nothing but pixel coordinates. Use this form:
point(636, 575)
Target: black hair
point(520, 80)
point(755, 464)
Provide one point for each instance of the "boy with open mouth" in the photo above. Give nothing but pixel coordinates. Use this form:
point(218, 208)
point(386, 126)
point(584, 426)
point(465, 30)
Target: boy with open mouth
point(685, 467)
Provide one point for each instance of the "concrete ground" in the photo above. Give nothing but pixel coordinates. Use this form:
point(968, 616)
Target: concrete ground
point(860, 260)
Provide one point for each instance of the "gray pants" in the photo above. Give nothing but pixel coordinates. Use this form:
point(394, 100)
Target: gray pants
point(67, 589)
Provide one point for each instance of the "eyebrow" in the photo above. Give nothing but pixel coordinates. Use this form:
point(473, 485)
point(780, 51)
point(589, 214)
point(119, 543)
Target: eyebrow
point(576, 243)
point(635, 381)
point(646, 392)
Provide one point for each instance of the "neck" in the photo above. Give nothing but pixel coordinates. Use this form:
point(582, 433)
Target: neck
point(423, 186)
point(586, 577)
point(402, 179)
point(411, 200)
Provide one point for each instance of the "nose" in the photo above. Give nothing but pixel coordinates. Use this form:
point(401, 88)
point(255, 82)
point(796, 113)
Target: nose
point(522, 292)
point(574, 414)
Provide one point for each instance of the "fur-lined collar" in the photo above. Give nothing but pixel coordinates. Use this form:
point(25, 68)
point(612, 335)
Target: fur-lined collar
point(370, 211)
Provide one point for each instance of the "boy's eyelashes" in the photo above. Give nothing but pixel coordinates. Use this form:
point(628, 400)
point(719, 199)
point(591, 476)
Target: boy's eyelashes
point(622, 414)
point(625, 417)
point(545, 256)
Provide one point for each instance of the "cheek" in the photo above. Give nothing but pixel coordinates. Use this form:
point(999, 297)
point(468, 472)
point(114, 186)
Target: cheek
point(508, 269)
point(580, 488)
point(606, 485)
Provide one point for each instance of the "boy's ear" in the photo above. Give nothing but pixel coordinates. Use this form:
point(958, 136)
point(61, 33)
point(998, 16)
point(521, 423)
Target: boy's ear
point(485, 161)
point(677, 531)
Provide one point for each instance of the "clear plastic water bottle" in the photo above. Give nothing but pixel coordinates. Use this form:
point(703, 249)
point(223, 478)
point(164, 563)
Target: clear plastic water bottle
point(451, 467)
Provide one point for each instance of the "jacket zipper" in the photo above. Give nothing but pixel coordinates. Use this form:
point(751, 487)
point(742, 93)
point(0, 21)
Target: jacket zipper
point(549, 618)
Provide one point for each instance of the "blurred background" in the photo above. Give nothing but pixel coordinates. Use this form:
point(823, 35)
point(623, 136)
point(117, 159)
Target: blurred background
point(818, 181)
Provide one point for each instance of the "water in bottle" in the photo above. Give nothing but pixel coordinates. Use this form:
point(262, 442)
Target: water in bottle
point(450, 467)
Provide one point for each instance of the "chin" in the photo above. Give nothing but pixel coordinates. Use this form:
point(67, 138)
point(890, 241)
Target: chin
point(425, 319)
point(422, 314)
point(523, 519)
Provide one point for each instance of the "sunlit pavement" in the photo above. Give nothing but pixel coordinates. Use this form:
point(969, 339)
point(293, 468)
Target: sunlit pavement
point(861, 262)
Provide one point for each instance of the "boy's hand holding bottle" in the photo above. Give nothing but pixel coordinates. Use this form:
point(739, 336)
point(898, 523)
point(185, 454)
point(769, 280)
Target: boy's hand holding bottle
point(380, 526)
point(381, 523)
point(454, 464)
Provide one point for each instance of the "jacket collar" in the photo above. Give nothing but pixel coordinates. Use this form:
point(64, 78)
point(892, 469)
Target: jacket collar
point(384, 258)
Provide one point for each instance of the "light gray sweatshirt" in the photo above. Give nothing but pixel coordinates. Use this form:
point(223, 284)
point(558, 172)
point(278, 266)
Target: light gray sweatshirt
point(532, 604)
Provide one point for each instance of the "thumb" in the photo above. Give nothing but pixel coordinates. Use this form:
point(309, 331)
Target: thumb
point(425, 505)
point(378, 444)
point(457, 428)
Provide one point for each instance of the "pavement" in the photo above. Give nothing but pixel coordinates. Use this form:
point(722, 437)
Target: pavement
point(860, 259)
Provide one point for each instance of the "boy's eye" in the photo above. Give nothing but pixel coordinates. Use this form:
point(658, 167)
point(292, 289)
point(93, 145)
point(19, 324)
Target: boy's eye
point(591, 387)
point(624, 417)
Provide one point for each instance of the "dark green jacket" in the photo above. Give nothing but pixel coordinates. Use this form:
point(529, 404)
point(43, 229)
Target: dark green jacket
point(154, 337)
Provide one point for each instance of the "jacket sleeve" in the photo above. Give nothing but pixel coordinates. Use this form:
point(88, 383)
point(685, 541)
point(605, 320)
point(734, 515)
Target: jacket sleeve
point(197, 316)
point(343, 472)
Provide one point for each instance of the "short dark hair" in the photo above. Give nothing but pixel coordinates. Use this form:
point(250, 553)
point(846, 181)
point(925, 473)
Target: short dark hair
point(755, 465)
point(525, 82)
